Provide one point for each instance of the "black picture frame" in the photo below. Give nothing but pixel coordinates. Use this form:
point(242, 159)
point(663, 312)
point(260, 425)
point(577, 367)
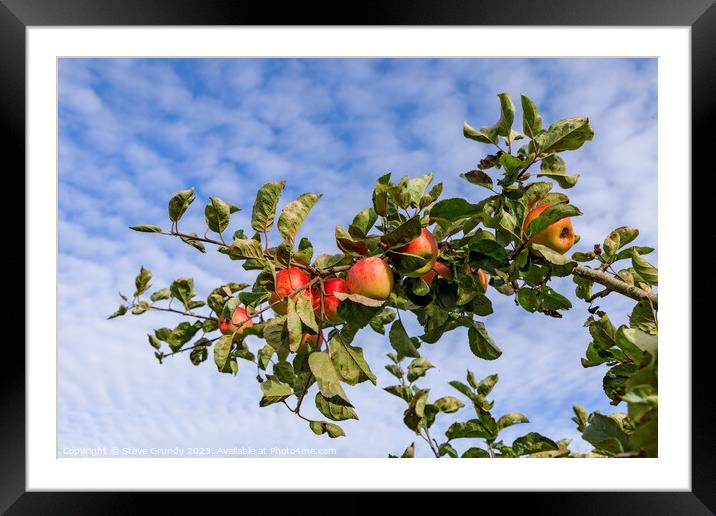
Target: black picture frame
point(700, 15)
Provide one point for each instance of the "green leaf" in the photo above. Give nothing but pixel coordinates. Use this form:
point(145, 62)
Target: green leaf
point(487, 384)
point(481, 344)
point(478, 177)
point(647, 271)
point(407, 263)
point(380, 195)
point(417, 368)
point(357, 314)
point(401, 342)
point(627, 253)
point(607, 433)
point(198, 355)
point(533, 443)
point(180, 202)
point(550, 299)
point(243, 249)
point(555, 168)
point(513, 418)
point(634, 343)
point(323, 427)
point(264, 356)
point(401, 391)
point(161, 294)
point(475, 453)
point(142, 281)
point(404, 233)
point(329, 382)
point(448, 404)
point(274, 392)
point(618, 239)
point(293, 326)
point(382, 319)
point(324, 261)
point(453, 209)
point(527, 298)
point(468, 429)
point(565, 134)
point(120, 311)
point(642, 318)
point(551, 215)
point(264, 209)
point(146, 228)
point(196, 244)
point(222, 353)
point(304, 308)
point(483, 135)
point(431, 196)
point(349, 362)
point(471, 379)
point(507, 115)
point(334, 408)
point(414, 415)
point(182, 289)
point(416, 187)
point(446, 449)
point(464, 389)
point(363, 223)
point(531, 119)
point(358, 298)
point(294, 214)
point(218, 213)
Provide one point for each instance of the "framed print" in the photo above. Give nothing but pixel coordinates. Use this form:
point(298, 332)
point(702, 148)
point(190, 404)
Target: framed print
point(269, 251)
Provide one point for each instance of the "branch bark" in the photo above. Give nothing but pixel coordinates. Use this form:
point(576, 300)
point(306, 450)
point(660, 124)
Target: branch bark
point(616, 285)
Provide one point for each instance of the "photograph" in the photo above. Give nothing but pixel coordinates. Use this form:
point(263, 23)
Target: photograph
point(357, 257)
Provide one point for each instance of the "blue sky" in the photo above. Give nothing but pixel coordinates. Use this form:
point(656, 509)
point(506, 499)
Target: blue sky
point(132, 132)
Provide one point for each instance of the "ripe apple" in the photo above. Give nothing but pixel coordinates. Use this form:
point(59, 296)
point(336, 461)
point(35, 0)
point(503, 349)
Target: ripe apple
point(330, 302)
point(288, 280)
point(370, 277)
point(229, 327)
point(425, 246)
point(308, 343)
point(558, 236)
point(439, 269)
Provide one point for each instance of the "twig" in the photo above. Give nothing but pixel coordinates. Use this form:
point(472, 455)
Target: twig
point(616, 285)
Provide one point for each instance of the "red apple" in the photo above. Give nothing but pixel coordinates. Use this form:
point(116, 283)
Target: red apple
point(230, 327)
point(558, 236)
point(288, 280)
point(425, 246)
point(439, 269)
point(330, 302)
point(370, 277)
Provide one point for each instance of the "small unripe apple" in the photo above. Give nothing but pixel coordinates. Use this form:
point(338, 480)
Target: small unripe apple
point(439, 269)
point(308, 343)
point(330, 302)
point(370, 277)
point(288, 280)
point(558, 236)
point(483, 277)
point(230, 327)
point(425, 246)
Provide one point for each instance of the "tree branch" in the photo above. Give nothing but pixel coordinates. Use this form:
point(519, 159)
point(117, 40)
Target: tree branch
point(616, 285)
